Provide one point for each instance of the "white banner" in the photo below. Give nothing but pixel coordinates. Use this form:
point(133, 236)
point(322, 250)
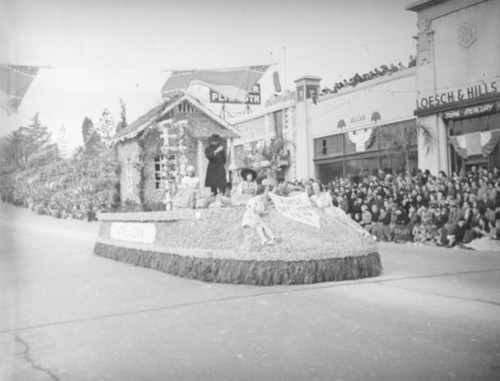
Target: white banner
point(133, 232)
point(297, 208)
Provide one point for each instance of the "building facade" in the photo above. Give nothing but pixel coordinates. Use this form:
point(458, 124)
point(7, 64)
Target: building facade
point(458, 82)
point(352, 132)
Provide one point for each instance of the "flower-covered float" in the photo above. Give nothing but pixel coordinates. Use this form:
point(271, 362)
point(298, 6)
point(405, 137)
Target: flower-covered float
point(211, 245)
point(289, 241)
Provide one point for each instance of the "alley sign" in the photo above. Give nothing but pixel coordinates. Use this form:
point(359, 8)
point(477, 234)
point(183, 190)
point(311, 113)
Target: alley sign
point(253, 97)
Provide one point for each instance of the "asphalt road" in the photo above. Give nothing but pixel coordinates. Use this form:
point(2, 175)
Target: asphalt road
point(66, 314)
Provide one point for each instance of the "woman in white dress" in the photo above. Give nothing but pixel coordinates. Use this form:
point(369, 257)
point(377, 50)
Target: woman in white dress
point(188, 193)
point(323, 200)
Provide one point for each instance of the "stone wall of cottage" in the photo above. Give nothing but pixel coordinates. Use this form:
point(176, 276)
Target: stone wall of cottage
point(128, 157)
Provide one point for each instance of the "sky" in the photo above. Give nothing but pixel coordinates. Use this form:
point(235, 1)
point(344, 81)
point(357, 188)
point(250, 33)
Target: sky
point(94, 52)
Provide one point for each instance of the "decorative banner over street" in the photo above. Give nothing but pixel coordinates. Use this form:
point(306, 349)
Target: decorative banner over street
point(297, 208)
point(233, 83)
point(14, 83)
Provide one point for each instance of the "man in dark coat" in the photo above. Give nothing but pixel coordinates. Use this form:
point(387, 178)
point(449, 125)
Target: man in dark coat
point(216, 173)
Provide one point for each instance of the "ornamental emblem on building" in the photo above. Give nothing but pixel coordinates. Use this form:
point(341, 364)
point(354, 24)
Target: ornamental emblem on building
point(467, 35)
point(423, 24)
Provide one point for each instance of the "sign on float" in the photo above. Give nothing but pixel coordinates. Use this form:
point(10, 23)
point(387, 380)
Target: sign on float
point(253, 97)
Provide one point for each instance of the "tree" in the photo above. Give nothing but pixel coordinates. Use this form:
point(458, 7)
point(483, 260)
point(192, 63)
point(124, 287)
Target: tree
point(106, 125)
point(16, 148)
point(63, 143)
point(123, 116)
point(276, 155)
point(91, 139)
point(10, 150)
point(34, 136)
point(400, 141)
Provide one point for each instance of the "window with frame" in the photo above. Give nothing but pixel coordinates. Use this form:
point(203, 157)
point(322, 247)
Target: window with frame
point(160, 171)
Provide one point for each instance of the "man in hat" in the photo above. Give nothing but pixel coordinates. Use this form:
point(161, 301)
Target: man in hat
point(216, 173)
point(451, 226)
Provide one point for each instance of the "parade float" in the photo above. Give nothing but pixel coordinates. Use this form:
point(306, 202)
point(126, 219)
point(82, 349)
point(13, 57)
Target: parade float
point(207, 240)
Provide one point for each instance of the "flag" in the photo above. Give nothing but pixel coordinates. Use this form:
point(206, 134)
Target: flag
point(233, 83)
point(276, 79)
point(14, 82)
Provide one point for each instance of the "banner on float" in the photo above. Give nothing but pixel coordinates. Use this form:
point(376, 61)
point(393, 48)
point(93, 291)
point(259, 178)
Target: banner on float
point(133, 232)
point(297, 208)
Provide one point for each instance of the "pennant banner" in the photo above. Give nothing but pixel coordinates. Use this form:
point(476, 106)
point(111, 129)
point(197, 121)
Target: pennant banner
point(297, 208)
point(14, 83)
point(233, 83)
point(476, 143)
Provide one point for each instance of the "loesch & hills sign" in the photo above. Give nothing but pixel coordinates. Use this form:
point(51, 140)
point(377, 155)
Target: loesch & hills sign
point(454, 96)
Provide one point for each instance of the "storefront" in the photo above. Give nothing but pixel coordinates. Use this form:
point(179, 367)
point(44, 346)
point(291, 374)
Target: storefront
point(359, 130)
point(458, 82)
point(472, 130)
point(365, 152)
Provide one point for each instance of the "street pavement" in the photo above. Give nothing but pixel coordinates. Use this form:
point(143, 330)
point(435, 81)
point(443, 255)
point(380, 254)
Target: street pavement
point(66, 314)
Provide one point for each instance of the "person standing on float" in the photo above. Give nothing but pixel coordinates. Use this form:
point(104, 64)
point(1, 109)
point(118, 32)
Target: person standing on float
point(216, 173)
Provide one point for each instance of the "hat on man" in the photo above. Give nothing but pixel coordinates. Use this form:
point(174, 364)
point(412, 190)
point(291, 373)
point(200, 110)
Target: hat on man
point(215, 138)
point(244, 173)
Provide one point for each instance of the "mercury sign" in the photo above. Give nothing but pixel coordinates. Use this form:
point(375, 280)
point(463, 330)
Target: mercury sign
point(253, 97)
point(459, 95)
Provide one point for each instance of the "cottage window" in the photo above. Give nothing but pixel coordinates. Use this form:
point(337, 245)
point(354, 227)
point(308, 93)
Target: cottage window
point(160, 171)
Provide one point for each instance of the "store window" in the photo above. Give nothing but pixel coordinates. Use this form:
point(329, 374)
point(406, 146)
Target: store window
point(329, 171)
point(366, 151)
point(328, 146)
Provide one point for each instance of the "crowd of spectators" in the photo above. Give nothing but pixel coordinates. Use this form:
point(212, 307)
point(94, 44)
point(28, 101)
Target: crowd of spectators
point(456, 210)
point(67, 203)
point(357, 78)
point(62, 190)
point(423, 209)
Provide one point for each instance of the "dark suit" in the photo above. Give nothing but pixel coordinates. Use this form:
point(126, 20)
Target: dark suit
point(216, 173)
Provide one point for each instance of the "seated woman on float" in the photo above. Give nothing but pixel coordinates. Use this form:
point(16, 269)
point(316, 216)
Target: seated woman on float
point(188, 192)
point(246, 189)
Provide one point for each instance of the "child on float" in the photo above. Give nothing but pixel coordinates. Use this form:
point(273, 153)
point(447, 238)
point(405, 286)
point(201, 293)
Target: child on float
point(256, 207)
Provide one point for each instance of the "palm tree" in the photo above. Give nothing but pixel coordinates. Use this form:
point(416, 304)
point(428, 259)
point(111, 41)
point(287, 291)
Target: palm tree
point(276, 156)
point(400, 141)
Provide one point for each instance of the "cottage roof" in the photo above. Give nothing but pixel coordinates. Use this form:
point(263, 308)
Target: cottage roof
point(223, 128)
